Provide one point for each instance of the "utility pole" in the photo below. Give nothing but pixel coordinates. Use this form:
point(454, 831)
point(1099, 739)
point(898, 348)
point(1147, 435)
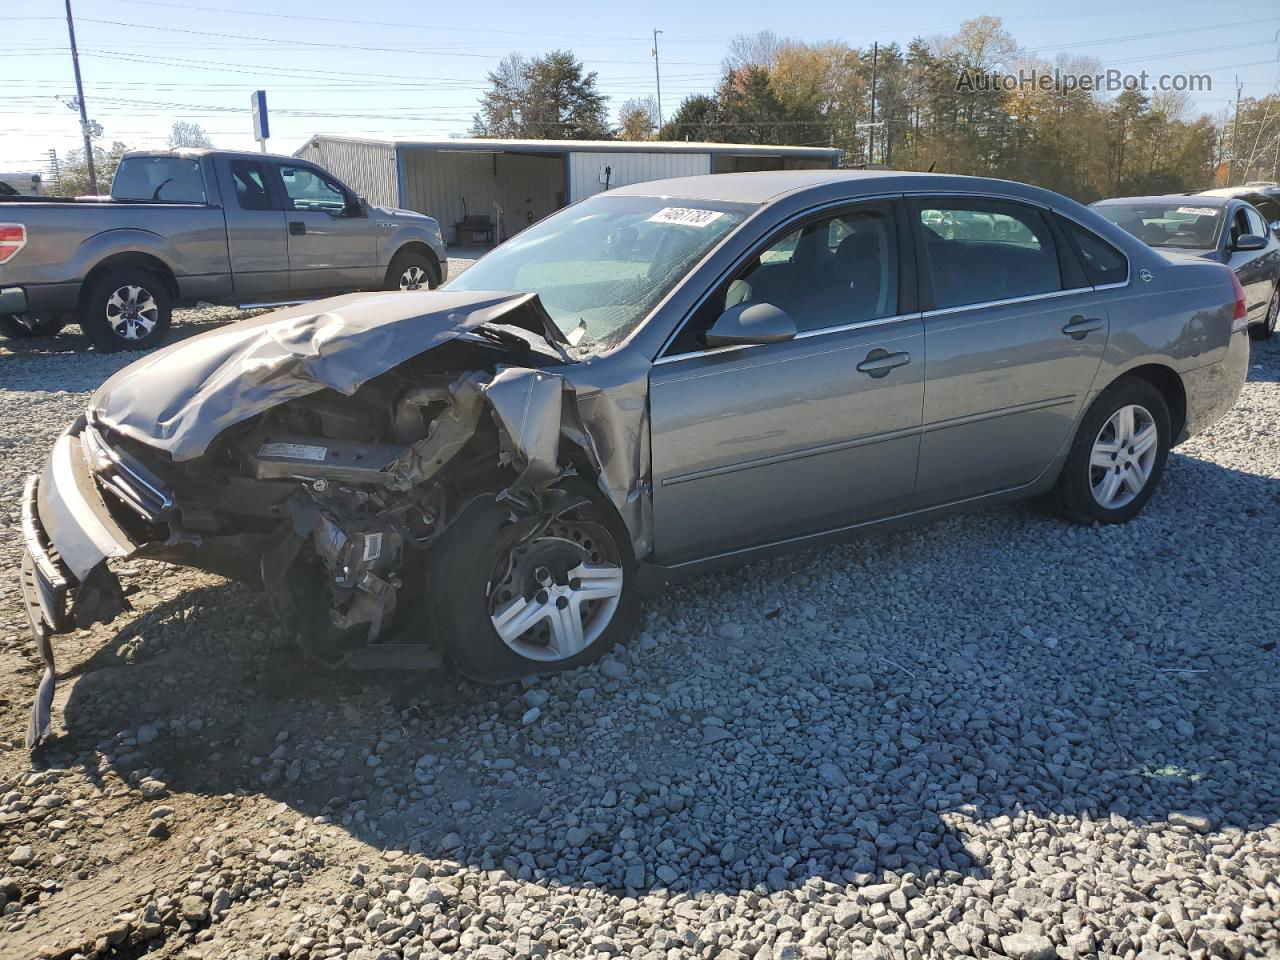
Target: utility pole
point(871, 132)
point(657, 75)
point(84, 116)
point(1235, 131)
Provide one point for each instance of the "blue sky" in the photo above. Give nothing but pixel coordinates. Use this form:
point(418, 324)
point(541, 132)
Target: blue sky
point(410, 68)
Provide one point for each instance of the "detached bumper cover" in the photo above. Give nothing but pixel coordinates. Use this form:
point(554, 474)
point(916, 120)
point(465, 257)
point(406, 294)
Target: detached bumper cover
point(69, 535)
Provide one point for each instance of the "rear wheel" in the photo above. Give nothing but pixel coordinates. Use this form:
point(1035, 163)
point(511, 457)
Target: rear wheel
point(1267, 328)
point(411, 270)
point(24, 326)
point(127, 309)
point(1118, 455)
point(509, 607)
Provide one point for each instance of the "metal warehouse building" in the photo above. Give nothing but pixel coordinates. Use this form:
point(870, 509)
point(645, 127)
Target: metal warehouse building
point(459, 182)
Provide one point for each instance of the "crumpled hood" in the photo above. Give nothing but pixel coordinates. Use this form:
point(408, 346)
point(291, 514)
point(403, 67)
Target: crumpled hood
point(179, 398)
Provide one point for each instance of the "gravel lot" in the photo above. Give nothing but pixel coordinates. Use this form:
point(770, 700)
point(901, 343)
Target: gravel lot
point(997, 735)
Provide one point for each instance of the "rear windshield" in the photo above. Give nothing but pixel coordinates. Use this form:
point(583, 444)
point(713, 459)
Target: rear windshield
point(159, 178)
point(1184, 224)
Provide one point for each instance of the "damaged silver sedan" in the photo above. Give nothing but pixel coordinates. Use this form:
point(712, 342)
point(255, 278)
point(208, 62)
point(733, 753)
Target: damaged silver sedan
point(659, 379)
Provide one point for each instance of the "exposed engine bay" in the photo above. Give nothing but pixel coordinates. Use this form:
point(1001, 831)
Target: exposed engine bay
point(361, 487)
point(328, 476)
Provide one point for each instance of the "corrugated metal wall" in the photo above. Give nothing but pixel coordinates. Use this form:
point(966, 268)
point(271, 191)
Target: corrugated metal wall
point(441, 184)
point(367, 168)
point(585, 169)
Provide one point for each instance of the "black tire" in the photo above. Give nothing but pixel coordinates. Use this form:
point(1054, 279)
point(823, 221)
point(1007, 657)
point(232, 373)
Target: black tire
point(28, 327)
point(1075, 490)
point(1267, 328)
point(402, 272)
point(466, 579)
point(104, 310)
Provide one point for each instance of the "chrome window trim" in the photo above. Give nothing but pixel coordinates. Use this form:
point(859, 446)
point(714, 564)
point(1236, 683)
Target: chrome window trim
point(805, 335)
point(782, 225)
point(1030, 298)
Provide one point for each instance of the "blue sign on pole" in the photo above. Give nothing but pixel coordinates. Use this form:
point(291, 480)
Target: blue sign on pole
point(261, 128)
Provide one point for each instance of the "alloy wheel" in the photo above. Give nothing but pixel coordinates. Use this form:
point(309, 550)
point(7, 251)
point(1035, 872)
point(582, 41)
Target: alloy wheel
point(413, 278)
point(1123, 456)
point(554, 595)
point(132, 312)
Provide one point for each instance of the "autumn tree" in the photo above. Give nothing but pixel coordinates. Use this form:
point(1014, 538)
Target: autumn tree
point(638, 119)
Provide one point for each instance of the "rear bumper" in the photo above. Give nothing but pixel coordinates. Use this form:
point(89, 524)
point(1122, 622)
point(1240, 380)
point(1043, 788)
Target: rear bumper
point(1212, 390)
point(40, 298)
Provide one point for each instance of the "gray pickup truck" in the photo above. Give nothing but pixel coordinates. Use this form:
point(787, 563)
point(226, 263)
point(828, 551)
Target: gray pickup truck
point(183, 226)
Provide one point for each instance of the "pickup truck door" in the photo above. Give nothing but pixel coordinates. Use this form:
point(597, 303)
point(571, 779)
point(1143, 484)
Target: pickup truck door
point(333, 242)
point(256, 239)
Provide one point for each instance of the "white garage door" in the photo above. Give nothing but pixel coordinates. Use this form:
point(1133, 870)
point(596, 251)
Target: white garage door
point(587, 171)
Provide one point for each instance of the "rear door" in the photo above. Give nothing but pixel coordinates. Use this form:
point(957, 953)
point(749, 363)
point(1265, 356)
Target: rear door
point(762, 443)
point(1014, 335)
point(256, 238)
point(332, 240)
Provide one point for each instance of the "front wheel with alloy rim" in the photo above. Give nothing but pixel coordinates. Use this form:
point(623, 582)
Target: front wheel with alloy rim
point(126, 309)
point(509, 604)
point(412, 271)
point(1267, 328)
point(1118, 454)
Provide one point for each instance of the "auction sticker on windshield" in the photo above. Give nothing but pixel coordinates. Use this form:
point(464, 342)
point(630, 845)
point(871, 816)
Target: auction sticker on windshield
point(1199, 211)
point(686, 216)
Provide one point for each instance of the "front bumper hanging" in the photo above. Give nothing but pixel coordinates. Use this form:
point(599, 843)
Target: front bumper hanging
point(63, 510)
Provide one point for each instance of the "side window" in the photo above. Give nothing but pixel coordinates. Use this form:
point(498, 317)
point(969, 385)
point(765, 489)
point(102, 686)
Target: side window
point(1103, 263)
point(1256, 223)
point(251, 185)
point(831, 272)
point(308, 189)
point(1239, 225)
point(982, 250)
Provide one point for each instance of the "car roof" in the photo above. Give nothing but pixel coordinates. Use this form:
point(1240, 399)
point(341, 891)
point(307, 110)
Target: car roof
point(764, 186)
point(1199, 199)
point(195, 153)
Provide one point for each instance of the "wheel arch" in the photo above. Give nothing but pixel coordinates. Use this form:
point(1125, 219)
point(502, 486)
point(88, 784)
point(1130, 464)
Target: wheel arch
point(419, 247)
point(1169, 383)
point(132, 260)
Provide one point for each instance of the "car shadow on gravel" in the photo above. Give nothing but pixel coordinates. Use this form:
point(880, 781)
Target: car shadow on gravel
point(854, 734)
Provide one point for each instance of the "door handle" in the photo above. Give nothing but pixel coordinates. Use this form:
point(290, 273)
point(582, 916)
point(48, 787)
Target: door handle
point(297, 227)
point(879, 362)
point(1081, 327)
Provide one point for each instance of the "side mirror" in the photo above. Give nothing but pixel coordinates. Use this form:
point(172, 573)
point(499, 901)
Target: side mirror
point(745, 323)
point(1249, 241)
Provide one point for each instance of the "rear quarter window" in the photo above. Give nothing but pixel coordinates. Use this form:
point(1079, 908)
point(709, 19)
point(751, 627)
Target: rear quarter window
point(1102, 262)
point(174, 179)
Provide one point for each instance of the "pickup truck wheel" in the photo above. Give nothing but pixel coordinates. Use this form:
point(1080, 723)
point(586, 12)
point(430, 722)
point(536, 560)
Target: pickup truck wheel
point(25, 326)
point(412, 271)
point(126, 310)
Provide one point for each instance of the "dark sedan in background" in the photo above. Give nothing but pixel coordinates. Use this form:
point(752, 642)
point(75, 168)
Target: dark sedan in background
point(1226, 230)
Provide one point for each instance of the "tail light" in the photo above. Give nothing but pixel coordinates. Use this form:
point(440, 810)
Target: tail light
point(13, 237)
point(1239, 320)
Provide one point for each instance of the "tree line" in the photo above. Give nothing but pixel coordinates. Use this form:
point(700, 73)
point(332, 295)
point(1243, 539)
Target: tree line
point(924, 107)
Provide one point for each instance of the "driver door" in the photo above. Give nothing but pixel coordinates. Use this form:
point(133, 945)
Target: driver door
point(766, 442)
point(333, 245)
